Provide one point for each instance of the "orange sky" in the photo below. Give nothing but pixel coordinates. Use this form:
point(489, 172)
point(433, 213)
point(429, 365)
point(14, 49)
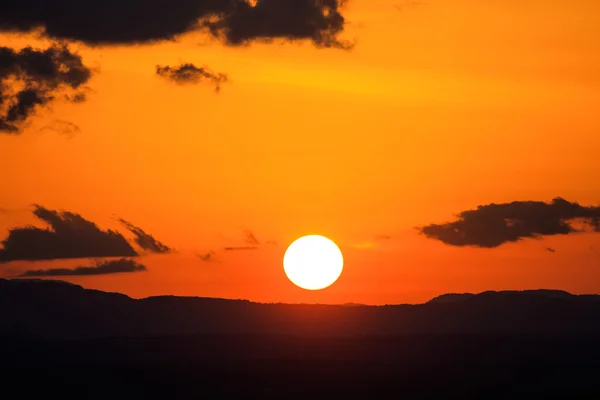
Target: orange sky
point(439, 108)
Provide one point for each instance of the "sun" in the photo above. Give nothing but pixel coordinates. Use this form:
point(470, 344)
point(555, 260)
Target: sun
point(313, 262)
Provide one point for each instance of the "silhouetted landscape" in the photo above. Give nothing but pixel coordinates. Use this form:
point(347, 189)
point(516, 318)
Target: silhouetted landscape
point(90, 344)
point(382, 157)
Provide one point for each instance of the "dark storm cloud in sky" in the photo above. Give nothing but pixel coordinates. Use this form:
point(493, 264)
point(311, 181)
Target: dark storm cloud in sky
point(318, 20)
point(235, 22)
point(102, 268)
point(69, 236)
point(31, 78)
point(493, 225)
point(186, 74)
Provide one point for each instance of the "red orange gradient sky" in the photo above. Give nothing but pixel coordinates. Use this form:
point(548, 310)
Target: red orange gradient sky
point(440, 107)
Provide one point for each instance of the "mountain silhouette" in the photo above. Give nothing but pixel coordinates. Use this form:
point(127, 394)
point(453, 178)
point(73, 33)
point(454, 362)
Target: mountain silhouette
point(44, 309)
point(507, 294)
point(61, 339)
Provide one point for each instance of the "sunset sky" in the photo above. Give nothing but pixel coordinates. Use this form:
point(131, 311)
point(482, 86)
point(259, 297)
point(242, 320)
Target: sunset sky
point(438, 107)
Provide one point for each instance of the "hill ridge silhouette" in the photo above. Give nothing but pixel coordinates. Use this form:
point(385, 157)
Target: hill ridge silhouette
point(441, 298)
point(58, 310)
point(549, 293)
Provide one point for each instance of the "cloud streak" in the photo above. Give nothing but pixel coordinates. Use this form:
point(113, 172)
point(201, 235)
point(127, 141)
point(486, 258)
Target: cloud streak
point(62, 127)
point(493, 225)
point(234, 22)
point(250, 238)
point(189, 74)
point(211, 256)
point(241, 248)
point(145, 241)
point(32, 78)
point(383, 237)
point(124, 265)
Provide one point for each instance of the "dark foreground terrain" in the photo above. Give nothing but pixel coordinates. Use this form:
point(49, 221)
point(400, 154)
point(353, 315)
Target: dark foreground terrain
point(294, 367)
point(62, 341)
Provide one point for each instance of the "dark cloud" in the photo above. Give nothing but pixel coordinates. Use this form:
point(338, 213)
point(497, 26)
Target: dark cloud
point(318, 20)
point(250, 238)
point(241, 248)
point(550, 250)
point(186, 74)
point(78, 97)
point(493, 225)
point(145, 241)
point(69, 236)
point(3, 210)
point(136, 21)
point(101, 268)
point(31, 78)
point(8, 128)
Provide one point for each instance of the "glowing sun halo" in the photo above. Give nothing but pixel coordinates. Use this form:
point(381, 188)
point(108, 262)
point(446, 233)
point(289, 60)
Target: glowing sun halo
point(313, 262)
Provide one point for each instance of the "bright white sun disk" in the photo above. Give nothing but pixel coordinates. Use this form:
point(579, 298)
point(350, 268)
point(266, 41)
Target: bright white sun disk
point(313, 262)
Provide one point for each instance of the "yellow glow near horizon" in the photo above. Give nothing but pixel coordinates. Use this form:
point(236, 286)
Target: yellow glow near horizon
point(313, 262)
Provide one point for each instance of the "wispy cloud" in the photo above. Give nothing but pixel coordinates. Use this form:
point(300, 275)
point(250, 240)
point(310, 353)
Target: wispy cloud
point(144, 240)
point(241, 248)
point(62, 127)
point(123, 265)
point(210, 256)
point(383, 237)
point(189, 74)
point(250, 238)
